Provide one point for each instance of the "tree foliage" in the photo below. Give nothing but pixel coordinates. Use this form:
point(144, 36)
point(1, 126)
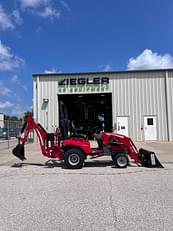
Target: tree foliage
point(28, 113)
point(15, 118)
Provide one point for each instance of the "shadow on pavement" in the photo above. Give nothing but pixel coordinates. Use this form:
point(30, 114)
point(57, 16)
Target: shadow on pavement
point(56, 163)
point(98, 163)
point(19, 165)
point(48, 164)
point(52, 163)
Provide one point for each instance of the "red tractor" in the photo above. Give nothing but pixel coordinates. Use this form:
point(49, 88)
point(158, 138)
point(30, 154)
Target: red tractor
point(74, 150)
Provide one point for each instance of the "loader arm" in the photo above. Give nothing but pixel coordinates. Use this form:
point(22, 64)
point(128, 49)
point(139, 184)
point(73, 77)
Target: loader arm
point(142, 157)
point(130, 147)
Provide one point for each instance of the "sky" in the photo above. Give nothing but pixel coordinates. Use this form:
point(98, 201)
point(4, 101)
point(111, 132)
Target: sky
point(45, 36)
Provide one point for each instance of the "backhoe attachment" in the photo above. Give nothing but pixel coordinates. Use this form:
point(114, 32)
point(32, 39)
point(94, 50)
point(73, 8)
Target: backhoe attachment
point(49, 146)
point(19, 151)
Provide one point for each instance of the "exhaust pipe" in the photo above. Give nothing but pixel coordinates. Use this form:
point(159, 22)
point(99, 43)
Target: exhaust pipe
point(149, 159)
point(19, 151)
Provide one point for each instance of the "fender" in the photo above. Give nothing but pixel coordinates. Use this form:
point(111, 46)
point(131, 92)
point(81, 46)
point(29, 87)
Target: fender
point(80, 143)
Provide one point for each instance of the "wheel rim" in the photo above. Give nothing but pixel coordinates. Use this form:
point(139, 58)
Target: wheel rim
point(74, 159)
point(122, 161)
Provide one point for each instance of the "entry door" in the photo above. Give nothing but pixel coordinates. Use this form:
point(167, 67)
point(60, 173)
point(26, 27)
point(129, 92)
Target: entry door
point(122, 125)
point(150, 128)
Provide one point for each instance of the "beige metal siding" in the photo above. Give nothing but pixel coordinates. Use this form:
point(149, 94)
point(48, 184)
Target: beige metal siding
point(134, 94)
point(46, 113)
point(170, 104)
point(137, 95)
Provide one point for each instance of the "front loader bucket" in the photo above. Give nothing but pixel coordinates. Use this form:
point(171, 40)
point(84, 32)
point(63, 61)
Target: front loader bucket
point(149, 159)
point(19, 151)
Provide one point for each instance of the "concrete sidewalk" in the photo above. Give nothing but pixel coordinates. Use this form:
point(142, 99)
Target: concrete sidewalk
point(163, 150)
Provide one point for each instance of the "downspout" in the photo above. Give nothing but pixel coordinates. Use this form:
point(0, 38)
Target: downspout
point(167, 104)
point(38, 100)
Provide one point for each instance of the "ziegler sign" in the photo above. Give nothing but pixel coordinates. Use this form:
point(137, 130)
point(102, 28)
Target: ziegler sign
point(83, 85)
point(83, 81)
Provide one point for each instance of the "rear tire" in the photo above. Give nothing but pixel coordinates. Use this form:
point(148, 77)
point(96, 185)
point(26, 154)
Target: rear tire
point(120, 160)
point(74, 158)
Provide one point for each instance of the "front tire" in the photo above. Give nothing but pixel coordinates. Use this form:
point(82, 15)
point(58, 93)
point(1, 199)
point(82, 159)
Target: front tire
point(74, 158)
point(120, 160)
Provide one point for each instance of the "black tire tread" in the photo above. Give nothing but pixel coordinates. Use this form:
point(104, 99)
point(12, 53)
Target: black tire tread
point(70, 152)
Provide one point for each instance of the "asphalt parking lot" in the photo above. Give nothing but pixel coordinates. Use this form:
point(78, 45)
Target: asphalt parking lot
point(41, 195)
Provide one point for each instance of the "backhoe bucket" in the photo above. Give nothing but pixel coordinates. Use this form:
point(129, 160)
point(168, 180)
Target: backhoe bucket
point(149, 159)
point(19, 151)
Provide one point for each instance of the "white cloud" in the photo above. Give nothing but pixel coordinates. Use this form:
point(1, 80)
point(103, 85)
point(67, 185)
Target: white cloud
point(49, 12)
point(18, 110)
point(4, 105)
point(25, 87)
point(5, 20)
point(108, 68)
point(8, 61)
point(9, 108)
point(17, 18)
point(65, 5)
point(53, 70)
point(15, 79)
point(39, 29)
point(150, 60)
point(33, 3)
point(41, 8)
point(4, 91)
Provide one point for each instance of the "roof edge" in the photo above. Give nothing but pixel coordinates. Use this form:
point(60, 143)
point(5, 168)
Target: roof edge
point(101, 72)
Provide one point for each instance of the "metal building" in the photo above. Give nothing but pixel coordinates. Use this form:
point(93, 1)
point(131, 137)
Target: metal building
point(135, 103)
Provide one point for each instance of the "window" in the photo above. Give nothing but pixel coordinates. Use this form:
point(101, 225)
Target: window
point(150, 121)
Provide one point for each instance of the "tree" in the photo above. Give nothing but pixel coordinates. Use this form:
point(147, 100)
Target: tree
point(14, 118)
point(11, 118)
point(28, 113)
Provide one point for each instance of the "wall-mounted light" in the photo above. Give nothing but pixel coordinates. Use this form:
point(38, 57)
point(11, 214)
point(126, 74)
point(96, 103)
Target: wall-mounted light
point(45, 100)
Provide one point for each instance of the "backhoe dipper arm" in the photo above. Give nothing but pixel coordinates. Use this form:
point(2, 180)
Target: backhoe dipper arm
point(46, 140)
point(41, 133)
point(43, 137)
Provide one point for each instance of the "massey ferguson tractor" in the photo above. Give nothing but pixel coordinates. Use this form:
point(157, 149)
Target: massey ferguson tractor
point(74, 151)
